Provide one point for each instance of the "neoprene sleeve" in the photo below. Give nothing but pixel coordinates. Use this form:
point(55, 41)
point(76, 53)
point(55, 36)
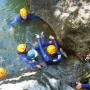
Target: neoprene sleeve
point(87, 86)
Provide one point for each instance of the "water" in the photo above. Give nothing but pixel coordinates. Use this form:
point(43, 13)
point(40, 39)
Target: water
point(57, 74)
point(8, 43)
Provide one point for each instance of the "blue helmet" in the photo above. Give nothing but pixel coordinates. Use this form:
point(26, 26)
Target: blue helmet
point(32, 53)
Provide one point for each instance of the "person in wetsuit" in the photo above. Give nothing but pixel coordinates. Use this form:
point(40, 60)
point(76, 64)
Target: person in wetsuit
point(50, 51)
point(28, 55)
point(24, 15)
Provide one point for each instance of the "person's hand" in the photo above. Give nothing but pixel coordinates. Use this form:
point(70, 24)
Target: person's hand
point(78, 85)
point(51, 37)
point(12, 31)
point(37, 36)
point(39, 66)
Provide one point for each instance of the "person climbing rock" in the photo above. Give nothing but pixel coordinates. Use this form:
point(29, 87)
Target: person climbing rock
point(29, 56)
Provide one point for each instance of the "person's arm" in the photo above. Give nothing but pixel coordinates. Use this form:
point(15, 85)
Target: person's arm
point(44, 54)
point(11, 23)
point(87, 86)
point(33, 65)
point(80, 85)
point(14, 20)
point(56, 44)
point(30, 63)
point(32, 16)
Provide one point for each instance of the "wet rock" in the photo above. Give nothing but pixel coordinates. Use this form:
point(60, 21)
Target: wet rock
point(32, 80)
point(75, 28)
point(70, 20)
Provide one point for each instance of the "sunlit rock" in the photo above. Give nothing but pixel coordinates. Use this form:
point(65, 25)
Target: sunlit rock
point(73, 26)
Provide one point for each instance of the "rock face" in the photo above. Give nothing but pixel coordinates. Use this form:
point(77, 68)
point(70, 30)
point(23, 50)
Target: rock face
point(70, 20)
point(32, 80)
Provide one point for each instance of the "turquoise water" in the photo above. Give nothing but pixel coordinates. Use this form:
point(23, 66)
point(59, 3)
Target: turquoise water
point(8, 57)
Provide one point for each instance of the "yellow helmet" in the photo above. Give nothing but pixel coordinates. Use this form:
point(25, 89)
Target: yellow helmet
point(23, 12)
point(51, 49)
point(21, 48)
point(3, 72)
